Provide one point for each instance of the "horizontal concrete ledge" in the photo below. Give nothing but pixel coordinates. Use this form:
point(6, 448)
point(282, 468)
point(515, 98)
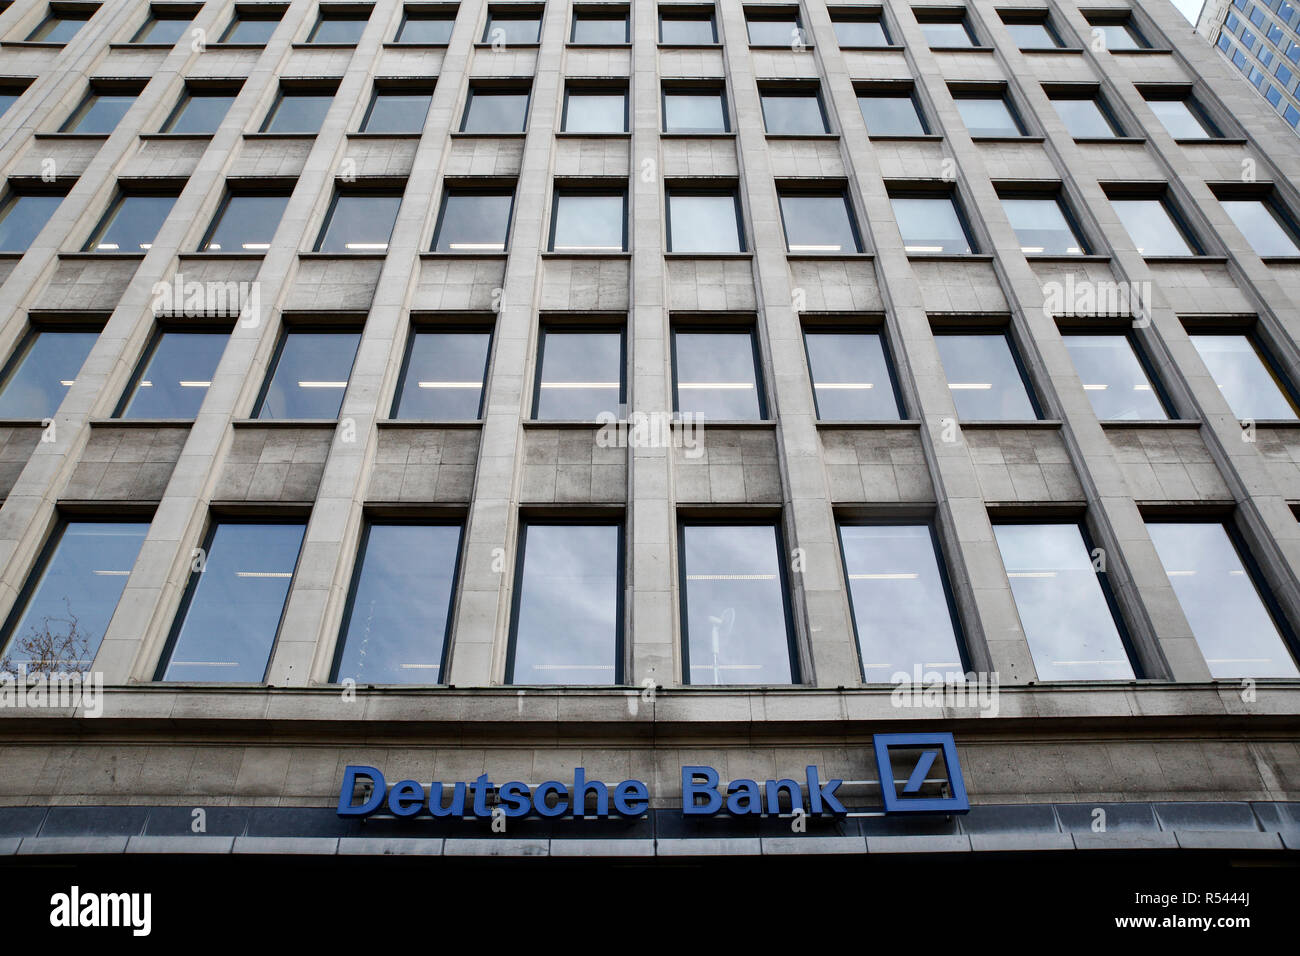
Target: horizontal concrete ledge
point(506, 846)
point(180, 844)
point(1228, 840)
point(738, 846)
point(936, 843)
point(396, 846)
point(9, 845)
point(40, 846)
point(611, 848)
point(812, 846)
point(1016, 842)
point(1120, 840)
point(321, 846)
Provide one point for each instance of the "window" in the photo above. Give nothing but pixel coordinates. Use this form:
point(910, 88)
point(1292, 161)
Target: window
point(246, 222)
point(495, 111)
point(1266, 228)
point(860, 31)
point(580, 374)
point(1033, 34)
point(1226, 607)
point(130, 224)
point(1183, 119)
point(567, 626)
point(704, 221)
point(989, 116)
point(251, 27)
point(22, 217)
point(1153, 229)
point(695, 111)
point(199, 112)
point(1043, 226)
point(62, 613)
point(1250, 386)
point(985, 377)
point(42, 370)
point(687, 27)
point(336, 26)
point(891, 114)
point(797, 112)
point(775, 29)
point(398, 615)
point(396, 110)
point(594, 110)
point(735, 619)
point(442, 378)
point(359, 221)
point(589, 220)
point(819, 222)
point(599, 28)
point(903, 612)
point(716, 375)
point(1064, 606)
point(473, 220)
point(298, 111)
point(433, 29)
point(1086, 118)
point(951, 32)
point(851, 377)
point(931, 224)
point(9, 93)
point(512, 27)
point(309, 375)
point(59, 26)
point(99, 113)
point(175, 375)
point(1118, 36)
point(1114, 377)
point(231, 611)
point(163, 28)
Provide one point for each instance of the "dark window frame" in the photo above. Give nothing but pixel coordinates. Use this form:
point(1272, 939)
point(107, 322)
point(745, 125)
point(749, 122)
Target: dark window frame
point(479, 87)
point(794, 91)
point(892, 90)
point(879, 328)
point(562, 327)
point(592, 189)
point(292, 88)
point(386, 87)
point(581, 11)
point(198, 90)
point(237, 188)
point(1008, 332)
point(124, 190)
point(694, 89)
point(863, 15)
point(732, 191)
point(419, 326)
point(287, 329)
point(840, 190)
point(351, 189)
point(747, 327)
point(327, 12)
point(256, 12)
point(211, 325)
point(949, 193)
point(584, 88)
point(685, 12)
point(448, 189)
point(1074, 326)
point(1072, 221)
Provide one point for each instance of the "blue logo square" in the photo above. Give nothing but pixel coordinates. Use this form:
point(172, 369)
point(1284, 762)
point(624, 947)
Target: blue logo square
point(930, 746)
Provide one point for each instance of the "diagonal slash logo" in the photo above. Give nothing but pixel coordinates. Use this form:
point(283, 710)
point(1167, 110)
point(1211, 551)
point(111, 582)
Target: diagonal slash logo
point(930, 745)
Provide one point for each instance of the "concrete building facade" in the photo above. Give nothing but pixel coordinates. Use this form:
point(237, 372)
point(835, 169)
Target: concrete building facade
point(1263, 42)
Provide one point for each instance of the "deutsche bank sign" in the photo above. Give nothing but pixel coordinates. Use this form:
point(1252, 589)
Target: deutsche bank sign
point(703, 794)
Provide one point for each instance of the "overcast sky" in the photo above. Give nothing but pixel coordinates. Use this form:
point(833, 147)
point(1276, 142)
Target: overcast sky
point(1189, 8)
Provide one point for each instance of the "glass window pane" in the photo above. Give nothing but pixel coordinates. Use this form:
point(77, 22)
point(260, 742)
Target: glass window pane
point(1152, 229)
point(984, 378)
point(425, 29)
point(1042, 228)
point(1084, 119)
point(737, 626)
point(595, 113)
point(818, 223)
point(692, 30)
point(851, 377)
point(359, 223)
point(58, 629)
point(704, 222)
point(567, 614)
point(581, 376)
point(338, 29)
point(588, 222)
point(177, 376)
point(164, 30)
point(775, 31)
point(891, 115)
point(392, 112)
point(900, 605)
point(298, 113)
point(602, 29)
point(1067, 620)
point(1247, 382)
point(310, 375)
point(695, 113)
point(930, 225)
point(1223, 605)
point(512, 28)
point(99, 113)
point(717, 376)
point(8, 97)
point(41, 373)
point(1118, 36)
point(1262, 227)
point(245, 30)
point(473, 222)
point(22, 217)
point(854, 33)
point(58, 28)
point(443, 378)
point(200, 113)
point(1113, 376)
point(395, 628)
point(799, 113)
point(131, 224)
point(232, 615)
point(988, 116)
point(495, 112)
point(946, 34)
point(1031, 36)
point(1178, 118)
point(246, 223)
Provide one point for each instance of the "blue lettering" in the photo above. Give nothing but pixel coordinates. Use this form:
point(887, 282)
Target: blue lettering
point(346, 809)
point(708, 789)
